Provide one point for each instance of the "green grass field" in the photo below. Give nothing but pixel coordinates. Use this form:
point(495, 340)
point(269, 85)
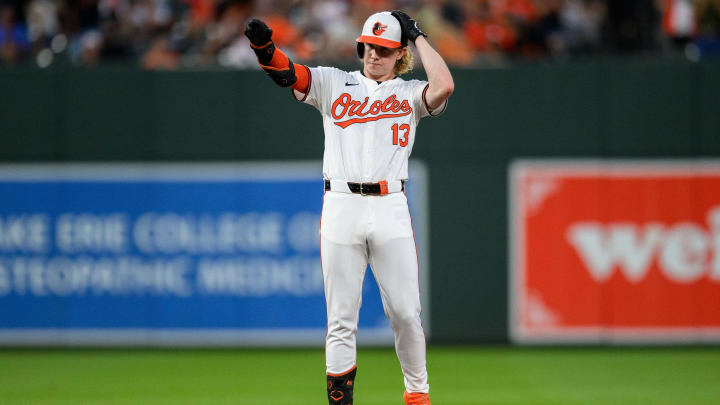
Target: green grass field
point(458, 376)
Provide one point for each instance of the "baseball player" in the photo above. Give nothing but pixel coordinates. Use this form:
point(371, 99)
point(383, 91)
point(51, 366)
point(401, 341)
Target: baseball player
point(370, 118)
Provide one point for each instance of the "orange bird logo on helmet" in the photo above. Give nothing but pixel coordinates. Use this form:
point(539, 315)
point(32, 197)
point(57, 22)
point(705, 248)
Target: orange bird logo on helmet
point(378, 28)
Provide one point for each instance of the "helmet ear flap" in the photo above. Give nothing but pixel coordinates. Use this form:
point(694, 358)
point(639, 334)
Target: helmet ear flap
point(360, 49)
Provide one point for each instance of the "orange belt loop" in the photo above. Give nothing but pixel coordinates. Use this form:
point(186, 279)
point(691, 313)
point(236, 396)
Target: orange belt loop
point(383, 187)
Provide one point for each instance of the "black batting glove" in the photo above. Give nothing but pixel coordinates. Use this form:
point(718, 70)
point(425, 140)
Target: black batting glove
point(260, 36)
point(409, 26)
point(258, 32)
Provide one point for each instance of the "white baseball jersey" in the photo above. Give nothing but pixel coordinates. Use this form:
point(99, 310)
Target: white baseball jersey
point(369, 134)
point(369, 127)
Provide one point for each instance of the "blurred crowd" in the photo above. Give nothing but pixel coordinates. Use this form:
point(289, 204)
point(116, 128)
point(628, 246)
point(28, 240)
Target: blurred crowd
point(171, 34)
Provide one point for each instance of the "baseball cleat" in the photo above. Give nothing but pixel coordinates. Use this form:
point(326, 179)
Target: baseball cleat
point(416, 398)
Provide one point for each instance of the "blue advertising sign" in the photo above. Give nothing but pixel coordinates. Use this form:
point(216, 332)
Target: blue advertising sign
point(172, 254)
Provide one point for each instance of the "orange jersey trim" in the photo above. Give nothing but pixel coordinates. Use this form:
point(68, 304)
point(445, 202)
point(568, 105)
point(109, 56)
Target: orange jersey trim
point(427, 107)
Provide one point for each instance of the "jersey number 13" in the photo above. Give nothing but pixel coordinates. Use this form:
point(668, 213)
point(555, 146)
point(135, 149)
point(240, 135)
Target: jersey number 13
point(396, 139)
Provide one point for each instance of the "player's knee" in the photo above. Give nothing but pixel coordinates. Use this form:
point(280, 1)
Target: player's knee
point(341, 327)
point(405, 317)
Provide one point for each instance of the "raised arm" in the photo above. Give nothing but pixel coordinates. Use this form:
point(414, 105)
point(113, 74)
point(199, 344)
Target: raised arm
point(440, 80)
point(274, 62)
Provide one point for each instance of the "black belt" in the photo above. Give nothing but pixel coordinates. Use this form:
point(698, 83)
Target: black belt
point(366, 188)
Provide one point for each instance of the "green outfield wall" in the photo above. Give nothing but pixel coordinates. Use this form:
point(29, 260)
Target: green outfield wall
point(638, 109)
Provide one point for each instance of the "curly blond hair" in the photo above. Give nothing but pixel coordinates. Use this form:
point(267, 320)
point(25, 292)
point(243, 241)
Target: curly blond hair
point(405, 64)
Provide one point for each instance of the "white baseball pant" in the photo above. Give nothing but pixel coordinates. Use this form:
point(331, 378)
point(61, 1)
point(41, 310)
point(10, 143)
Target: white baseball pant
point(356, 230)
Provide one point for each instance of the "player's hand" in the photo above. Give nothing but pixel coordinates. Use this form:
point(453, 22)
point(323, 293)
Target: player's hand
point(258, 32)
point(409, 26)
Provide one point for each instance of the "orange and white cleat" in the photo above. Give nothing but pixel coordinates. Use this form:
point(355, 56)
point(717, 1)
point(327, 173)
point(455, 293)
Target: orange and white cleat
point(416, 398)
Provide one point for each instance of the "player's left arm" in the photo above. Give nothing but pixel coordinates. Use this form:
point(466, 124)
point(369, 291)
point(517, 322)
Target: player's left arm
point(440, 81)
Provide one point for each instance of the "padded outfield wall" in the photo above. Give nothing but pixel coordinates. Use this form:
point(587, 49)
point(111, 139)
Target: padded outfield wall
point(638, 109)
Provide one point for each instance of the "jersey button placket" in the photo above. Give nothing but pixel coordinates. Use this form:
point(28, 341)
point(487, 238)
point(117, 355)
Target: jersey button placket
point(367, 154)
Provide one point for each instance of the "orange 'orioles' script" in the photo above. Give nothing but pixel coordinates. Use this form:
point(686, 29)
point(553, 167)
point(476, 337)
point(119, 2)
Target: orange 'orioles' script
point(345, 105)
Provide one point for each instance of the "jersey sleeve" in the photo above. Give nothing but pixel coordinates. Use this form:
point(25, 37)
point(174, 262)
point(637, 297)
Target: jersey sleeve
point(321, 84)
point(420, 87)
